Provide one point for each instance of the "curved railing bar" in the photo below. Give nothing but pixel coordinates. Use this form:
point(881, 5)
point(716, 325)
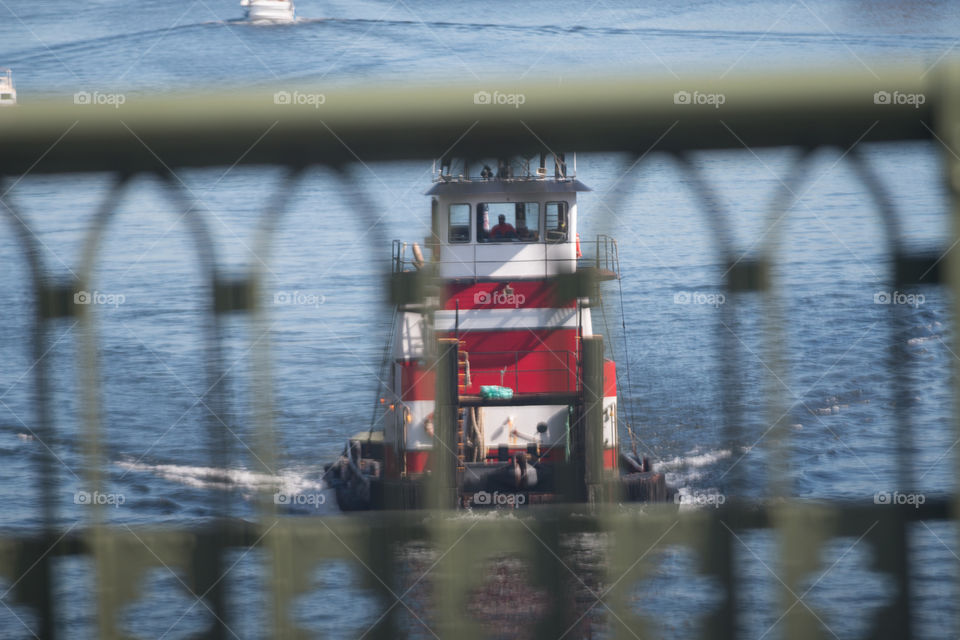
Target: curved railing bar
point(881, 197)
point(902, 381)
point(32, 251)
point(262, 371)
point(784, 197)
point(715, 211)
point(89, 364)
point(213, 358)
point(43, 431)
point(211, 579)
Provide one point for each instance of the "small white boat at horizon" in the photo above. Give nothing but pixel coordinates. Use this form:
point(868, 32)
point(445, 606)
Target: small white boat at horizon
point(8, 94)
point(269, 10)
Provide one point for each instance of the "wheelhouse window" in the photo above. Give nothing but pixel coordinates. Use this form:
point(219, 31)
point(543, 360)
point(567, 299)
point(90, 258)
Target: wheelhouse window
point(458, 224)
point(508, 222)
point(557, 221)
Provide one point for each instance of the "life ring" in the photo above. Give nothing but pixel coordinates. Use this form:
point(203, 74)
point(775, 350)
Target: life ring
point(579, 253)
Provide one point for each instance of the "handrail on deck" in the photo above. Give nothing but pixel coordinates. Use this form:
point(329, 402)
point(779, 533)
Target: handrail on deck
point(605, 258)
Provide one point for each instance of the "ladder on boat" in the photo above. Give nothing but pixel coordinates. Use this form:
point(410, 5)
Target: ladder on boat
point(463, 383)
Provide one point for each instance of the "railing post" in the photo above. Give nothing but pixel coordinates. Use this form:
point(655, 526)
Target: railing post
point(948, 119)
point(443, 483)
point(516, 372)
point(593, 418)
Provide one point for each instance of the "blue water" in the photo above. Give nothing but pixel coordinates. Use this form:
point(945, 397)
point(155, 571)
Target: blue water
point(834, 386)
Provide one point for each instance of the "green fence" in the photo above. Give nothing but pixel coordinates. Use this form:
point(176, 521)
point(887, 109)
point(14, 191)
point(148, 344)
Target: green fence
point(636, 116)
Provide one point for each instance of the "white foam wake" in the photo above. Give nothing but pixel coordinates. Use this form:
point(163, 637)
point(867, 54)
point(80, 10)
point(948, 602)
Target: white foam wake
point(683, 470)
point(287, 481)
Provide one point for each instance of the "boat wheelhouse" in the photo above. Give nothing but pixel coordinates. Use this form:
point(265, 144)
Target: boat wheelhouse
point(504, 287)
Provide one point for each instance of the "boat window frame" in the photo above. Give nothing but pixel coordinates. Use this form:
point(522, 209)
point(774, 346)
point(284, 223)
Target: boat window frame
point(537, 230)
point(469, 224)
point(563, 212)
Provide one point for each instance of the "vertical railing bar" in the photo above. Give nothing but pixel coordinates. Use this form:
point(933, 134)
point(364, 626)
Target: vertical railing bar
point(218, 417)
point(726, 343)
point(206, 252)
point(89, 368)
point(774, 324)
point(731, 398)
point(948, 130)
point(783, 200)
point(262, 382)
point(901, 388)
point(516, 370)
point(44, 427)
point(901, 377)
point(90, 365)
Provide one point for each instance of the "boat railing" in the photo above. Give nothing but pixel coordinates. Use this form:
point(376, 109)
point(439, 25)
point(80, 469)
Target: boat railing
point(397, 256)
point(525, 372)
point(532, 177)
point(605, 257)
point(553, 168)
point(403, 257)
point(601, 253)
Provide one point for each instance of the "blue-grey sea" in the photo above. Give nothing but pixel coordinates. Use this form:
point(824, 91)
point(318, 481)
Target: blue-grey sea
point(327, 319)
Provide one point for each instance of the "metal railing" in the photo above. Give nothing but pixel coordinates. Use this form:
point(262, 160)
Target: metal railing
point(511, 372)
point(605, 258)
point(163, 135)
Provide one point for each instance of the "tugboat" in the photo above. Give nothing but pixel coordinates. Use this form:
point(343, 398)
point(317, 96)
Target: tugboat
point(501, 332)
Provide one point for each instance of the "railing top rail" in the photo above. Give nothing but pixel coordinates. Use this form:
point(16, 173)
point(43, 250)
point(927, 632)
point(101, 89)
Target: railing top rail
point(832, 107)
point(521, 352)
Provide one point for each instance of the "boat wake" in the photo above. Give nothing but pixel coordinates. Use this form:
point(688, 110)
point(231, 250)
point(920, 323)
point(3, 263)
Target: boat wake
point(683, 471)
point(288, 481)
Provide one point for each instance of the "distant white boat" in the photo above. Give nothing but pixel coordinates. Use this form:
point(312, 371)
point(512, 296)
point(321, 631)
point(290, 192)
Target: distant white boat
point(269, 10)
point(8, 94)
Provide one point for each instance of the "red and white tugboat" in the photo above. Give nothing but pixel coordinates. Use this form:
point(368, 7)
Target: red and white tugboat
point(505, 289)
